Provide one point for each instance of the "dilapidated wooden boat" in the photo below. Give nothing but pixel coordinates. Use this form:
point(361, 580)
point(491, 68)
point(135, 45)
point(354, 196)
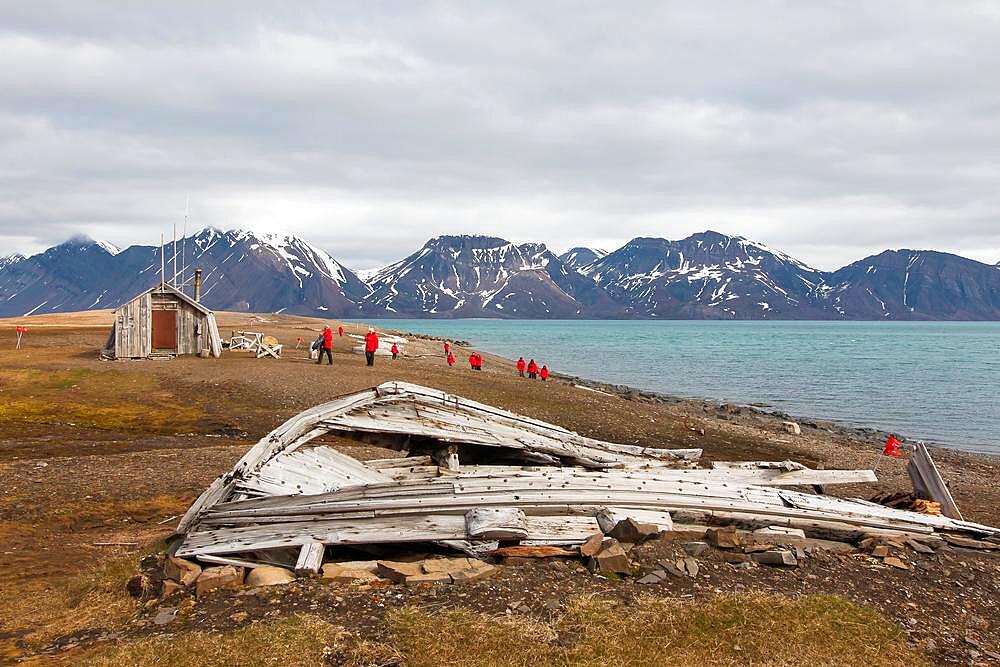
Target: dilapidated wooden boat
point(471, 475)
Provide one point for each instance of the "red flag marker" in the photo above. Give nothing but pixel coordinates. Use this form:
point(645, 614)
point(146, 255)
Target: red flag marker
point(21, 330)
point(892, 447)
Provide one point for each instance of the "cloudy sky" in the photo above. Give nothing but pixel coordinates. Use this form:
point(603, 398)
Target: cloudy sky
point(830, 130)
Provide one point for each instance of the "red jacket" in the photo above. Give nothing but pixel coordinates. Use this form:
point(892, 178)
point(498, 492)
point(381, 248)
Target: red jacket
point(545, 373)
point(520, 365)
point(447, 348)
point(532, 367)
point(340, 331)
point(327, 338)
point(395, 350)
point(472, 359)
point(451, 359)
point(371, 341)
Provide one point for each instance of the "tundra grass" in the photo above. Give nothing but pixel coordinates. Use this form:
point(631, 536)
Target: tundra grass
point(726, 630)
point(87, 398)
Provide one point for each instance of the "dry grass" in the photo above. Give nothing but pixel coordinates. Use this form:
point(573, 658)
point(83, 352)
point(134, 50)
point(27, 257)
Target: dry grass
point(94, 599)
point(86, 514)
point(297, 640)
point(93, 399)
point(727, 630)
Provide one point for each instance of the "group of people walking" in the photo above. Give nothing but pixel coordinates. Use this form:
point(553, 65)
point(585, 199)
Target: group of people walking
point(324, 345)
point(532, 369)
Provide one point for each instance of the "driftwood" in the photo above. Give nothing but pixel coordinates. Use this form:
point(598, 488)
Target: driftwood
point(472, 474)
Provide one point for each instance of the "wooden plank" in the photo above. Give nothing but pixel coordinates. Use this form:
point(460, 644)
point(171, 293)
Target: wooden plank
point(928, 483)
point(310, 558)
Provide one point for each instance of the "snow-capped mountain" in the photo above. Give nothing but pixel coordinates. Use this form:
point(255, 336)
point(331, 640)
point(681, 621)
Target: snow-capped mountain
point(63, 278)
point(577, 258)
point(914, 285)
point(10, 260)
point(475, 276)
point(240, 271)
point(708, 276)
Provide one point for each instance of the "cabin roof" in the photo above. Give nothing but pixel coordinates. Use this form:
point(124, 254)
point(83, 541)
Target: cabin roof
point(173, 291)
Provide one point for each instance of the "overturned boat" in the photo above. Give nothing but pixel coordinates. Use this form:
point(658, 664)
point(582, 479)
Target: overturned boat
point(471, 476)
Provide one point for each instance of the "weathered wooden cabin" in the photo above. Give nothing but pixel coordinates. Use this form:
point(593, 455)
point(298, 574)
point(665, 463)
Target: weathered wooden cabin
point(162, 321)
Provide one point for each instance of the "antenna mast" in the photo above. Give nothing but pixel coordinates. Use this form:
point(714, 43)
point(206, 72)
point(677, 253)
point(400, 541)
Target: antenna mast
point(175, 253)
point(187, 206)
point(163, 263)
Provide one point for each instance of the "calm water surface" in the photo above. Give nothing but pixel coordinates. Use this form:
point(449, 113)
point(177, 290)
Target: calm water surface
point(939, 381)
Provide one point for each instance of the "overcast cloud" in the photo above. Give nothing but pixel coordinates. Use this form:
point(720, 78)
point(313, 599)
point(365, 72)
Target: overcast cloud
point(828, 130)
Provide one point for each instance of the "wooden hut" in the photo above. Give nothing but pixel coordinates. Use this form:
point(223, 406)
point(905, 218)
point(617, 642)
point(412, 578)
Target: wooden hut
point(162, 321)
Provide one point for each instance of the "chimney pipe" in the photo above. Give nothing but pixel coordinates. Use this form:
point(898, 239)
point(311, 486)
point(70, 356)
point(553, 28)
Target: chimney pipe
point(197, 284)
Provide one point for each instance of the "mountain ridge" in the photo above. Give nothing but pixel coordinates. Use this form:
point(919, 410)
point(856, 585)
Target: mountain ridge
point(708, 275)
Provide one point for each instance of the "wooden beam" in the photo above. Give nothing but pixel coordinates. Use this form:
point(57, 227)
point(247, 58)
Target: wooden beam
point(310, 558)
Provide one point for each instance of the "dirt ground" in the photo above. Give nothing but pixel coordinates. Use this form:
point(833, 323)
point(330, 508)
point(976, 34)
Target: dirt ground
point(98, 459)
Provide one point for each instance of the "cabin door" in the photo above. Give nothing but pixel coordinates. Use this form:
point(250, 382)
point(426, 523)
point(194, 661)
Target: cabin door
point(164, 329)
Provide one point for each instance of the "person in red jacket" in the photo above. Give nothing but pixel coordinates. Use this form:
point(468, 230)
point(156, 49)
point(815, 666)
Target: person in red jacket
point(451, 359)
point(479, 362)
point(532, 370)
point(544, 373)
point(371, 344)
point(395, 351)
point(326, 347)
point(340, 331)
point(447, 348)
point(520, 366)
point(472, 361)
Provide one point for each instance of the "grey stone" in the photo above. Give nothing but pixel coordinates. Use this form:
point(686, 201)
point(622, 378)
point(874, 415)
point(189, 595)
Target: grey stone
point(695, 548)
point(165, 615)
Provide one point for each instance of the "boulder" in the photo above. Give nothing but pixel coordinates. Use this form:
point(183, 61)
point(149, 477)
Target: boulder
point(723, 538)
point(892, 561)
point(691, 565)
point(345, 576)
point(880, 551)
point(332, 570)
point(226, 577)
point(695, 548)
point(529, 551)
point(919, 547)
point(449, 565)
point(632, 531)
point(592, 545)
point(476, 572)
point(612, 558)
point(269, 575)
point(397, 571)
point(775, 557)
point(792, 428)
point(170, 587)
point(182, 571)
point(428, 578)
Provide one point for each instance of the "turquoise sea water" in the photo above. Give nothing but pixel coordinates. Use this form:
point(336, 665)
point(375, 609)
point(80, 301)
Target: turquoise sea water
point(937, 381)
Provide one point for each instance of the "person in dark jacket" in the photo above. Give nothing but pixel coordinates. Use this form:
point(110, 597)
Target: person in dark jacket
point(371, 344)
point(520, 366)
point(326, 347)
point(532, 370)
